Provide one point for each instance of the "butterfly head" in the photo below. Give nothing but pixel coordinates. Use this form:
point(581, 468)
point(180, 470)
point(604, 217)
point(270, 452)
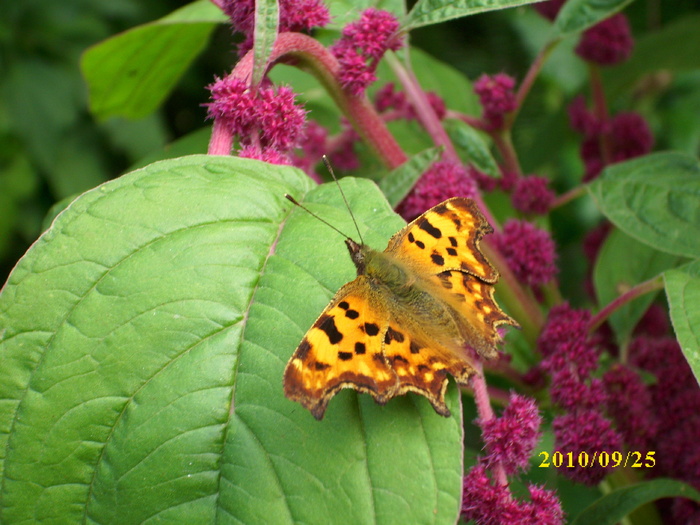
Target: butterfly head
point(358, 254)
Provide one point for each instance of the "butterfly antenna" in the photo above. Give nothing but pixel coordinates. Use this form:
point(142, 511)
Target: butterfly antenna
point(307, 210)
point(347, 205)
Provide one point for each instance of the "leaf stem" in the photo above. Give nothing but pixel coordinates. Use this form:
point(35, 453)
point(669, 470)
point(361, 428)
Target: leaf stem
point(653, 284)
point(530, 77)
point(568, 196)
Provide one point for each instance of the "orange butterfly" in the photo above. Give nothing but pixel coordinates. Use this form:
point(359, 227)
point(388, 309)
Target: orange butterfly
point(408, 319)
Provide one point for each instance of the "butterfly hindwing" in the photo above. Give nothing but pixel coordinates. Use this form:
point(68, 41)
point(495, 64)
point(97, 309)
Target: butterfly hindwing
point(343, 349)
point(423, 367)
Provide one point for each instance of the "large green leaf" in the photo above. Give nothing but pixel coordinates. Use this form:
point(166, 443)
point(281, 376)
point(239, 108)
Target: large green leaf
point(143, 341)
point(130, 74)
point(622, 263)
point(655, 200)
point(683, 292)
point(427, 12)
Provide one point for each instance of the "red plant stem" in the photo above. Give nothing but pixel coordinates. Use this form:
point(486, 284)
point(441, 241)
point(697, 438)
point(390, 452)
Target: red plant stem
point(529, 79)
point(638, 290)
point(504, 144)
point(485, 411)
point(221, 139)
point(424, 111)
point(567, 197)
point(473, 122)
point(304, 52)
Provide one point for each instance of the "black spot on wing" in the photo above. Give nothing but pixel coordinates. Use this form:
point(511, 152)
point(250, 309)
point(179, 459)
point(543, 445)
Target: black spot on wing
point(414, 348)
point(399, 358)
point(321, 366)
point(437, 259)
point(352, 314)
point(327, 324)
point(303, 349)
point(345, 356)
point(412, 239)
point(371, 329)
point(360, 348)
point(430, 229)
point(453, 241)
point(393, 335)
point(344, 305)
point(452, 252)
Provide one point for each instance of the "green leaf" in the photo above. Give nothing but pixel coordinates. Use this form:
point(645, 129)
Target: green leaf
point(130, 74)
point(143, 342)
point(475, 148)
point(612, 507)
point(266, 28)
point(657, 51)
point(427, 12)
point(622, 263)
point(655, 200)
point(683, 293)
point(398, 183)
point(579, 15)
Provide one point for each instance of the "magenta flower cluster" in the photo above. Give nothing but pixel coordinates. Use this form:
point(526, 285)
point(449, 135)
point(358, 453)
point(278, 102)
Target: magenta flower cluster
point(532, 195)
point(497, 98)
point(444, 179)
point(267, 121)
point(570, 357)
point(529, 251)
point(607, 43)
point(361, 46)
point(626, 134)
point(509, 441)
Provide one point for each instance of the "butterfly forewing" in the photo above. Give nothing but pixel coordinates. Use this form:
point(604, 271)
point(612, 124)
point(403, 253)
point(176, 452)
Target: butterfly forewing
point(446, 237)
point(342, 349)
point(444, 244)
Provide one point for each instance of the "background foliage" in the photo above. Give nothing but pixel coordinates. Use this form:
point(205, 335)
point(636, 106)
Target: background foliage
point(155, 318)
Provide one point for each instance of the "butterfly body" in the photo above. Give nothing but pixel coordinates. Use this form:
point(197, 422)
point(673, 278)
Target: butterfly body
point(416, 312)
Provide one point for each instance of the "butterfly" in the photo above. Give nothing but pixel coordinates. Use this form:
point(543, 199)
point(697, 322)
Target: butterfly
point(416, 312)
